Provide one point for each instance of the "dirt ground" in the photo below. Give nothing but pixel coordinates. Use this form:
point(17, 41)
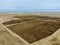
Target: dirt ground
point(8, 38)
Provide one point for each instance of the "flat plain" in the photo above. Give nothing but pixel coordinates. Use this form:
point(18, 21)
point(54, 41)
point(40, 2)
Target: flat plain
point(31, 27)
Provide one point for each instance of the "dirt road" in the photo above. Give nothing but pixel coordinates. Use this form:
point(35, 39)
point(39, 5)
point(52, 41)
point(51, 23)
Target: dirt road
point(6, 38)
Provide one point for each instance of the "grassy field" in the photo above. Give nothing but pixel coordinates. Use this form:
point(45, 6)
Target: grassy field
point(30, 18)
point(33, 30)
point(37, 17)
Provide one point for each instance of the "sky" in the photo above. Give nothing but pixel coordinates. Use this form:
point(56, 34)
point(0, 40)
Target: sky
point(29, 5)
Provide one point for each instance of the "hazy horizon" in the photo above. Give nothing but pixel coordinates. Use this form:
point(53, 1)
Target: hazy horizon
point(29, 5)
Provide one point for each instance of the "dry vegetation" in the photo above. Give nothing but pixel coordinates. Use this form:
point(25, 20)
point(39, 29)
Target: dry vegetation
point(54, 41)
point(33, 30)
point(38, 17)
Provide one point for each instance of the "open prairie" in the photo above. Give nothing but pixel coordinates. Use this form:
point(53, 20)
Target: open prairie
point(33, 28)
